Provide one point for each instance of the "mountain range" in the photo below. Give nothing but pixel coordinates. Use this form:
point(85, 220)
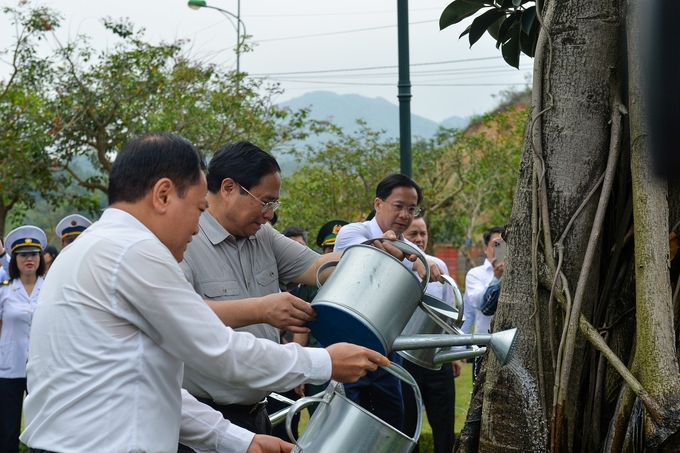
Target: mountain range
point(378, 113)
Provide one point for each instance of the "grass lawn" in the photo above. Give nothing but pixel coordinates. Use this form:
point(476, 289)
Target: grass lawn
point(463, 394)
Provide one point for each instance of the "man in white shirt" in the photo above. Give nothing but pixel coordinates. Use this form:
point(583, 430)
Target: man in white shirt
point(437, 386)
point(477, 280)
point(116, 320)
point(396, 204)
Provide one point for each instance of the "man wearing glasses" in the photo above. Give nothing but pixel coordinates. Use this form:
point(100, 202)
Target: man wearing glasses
point(396, 204)
point(238, 263)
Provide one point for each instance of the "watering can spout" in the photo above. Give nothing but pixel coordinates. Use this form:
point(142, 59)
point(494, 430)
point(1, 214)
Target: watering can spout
point(501, 343)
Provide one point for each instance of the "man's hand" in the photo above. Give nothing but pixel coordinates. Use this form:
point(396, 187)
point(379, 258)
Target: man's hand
point(350, 362)
point(392, 250)
point(497, 270)
point(435, 271)
point(268, 444)
point(287, 312)
point(457, 366)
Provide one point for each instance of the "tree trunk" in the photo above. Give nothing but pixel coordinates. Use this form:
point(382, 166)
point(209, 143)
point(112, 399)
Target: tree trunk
point(656, 366)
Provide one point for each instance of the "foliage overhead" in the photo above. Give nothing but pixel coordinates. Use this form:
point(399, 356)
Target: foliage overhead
point(511, 23)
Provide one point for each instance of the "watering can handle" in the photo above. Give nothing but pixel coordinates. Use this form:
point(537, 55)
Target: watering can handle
point(441, 323)
point(322, 268)
point(404, 247)
point(297, 407)
point(402, 374)
point(458, 298)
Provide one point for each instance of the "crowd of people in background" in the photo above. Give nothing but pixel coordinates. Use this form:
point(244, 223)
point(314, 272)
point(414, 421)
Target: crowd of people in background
point(173, 288)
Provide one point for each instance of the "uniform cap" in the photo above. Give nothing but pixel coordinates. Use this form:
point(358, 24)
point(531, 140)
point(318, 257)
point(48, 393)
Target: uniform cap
point(27, 238)
point(328, 232)
point(72, 225)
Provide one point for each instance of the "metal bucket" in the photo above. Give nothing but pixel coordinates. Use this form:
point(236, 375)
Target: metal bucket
point(340, 426)
point(368, 299)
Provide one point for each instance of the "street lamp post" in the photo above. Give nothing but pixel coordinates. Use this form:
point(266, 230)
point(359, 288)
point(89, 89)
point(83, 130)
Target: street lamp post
point(198, 4)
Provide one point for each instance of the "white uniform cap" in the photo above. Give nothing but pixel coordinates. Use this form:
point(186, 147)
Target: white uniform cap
point(72, 225)
point(27, 238)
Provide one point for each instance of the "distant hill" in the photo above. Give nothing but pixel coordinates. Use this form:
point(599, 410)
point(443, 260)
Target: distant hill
point(344, 109)
point(379, 113)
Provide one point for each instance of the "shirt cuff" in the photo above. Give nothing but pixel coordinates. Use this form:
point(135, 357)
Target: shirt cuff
point(322, 366)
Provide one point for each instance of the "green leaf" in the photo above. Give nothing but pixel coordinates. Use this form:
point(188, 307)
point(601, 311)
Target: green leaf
point(459, 10)
point(528, 17)
point(503, 34)
point(511, 48)
point(495, 27)
point(482, 23)
point(465, 32)
point(516, 3)
point(526, 44)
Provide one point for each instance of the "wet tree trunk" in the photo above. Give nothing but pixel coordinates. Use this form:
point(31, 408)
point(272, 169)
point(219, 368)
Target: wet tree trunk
point(573, 263)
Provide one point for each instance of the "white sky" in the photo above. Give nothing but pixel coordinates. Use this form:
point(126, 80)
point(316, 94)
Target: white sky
point(282, 29)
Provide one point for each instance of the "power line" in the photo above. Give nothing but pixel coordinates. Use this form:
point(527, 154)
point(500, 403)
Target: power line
point(318, 82)
point(372, 67)
point(340, 14)
point(339, 32)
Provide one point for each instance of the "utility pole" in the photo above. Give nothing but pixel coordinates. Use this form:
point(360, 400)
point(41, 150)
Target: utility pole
point(404, 85)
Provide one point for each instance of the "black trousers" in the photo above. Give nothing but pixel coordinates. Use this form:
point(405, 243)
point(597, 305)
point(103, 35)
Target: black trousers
point(258, 423)
point(11, 400)
point(439, 396)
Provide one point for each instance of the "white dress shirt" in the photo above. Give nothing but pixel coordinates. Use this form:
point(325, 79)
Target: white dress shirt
point(356, 233)
point(477, 280)
point(16, 314)
point(114, 323)
point(442, 291)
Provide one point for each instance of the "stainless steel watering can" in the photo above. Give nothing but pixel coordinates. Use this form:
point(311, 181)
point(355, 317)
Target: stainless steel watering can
point(339, 425)
point(369, 297)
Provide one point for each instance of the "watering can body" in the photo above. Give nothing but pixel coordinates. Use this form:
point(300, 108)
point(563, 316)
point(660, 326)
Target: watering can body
point(339, 425)
point(367, 300)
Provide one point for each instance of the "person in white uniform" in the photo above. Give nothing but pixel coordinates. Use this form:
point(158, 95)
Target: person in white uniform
point(70, 227)
point(117, 320)
point(18, 299)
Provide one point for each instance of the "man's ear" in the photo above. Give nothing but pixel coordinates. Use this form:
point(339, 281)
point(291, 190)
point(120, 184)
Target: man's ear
point(228, 187)
point(376, 203)
point(161, 194)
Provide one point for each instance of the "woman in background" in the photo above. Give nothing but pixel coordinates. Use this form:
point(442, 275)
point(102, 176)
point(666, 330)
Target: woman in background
point(18, 298)
point(49, 255)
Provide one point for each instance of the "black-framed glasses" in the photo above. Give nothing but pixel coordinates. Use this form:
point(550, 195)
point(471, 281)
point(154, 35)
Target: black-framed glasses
point(411, 210)
point(273, 205)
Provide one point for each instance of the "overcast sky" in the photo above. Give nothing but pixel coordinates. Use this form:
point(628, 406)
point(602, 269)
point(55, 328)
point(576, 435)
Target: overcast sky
point(346, 46)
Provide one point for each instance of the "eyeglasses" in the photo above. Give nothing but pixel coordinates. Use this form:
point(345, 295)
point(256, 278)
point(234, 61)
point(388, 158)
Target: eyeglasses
point(28, 254)
point(273, 205)
point(411, 210)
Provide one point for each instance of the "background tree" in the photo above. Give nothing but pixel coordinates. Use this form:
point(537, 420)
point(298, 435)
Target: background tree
point(25, 165)
point(592, 226)
point(103, 99)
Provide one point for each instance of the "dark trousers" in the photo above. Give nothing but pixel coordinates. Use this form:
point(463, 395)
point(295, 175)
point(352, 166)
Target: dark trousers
point(379, 392)
point(258, 423)
point(439, 397)
point(11, 400)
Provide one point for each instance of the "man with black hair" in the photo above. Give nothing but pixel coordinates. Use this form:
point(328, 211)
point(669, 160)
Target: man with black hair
point(116, 321)
point(396, 204)
point(239, 264)
point(477, 281)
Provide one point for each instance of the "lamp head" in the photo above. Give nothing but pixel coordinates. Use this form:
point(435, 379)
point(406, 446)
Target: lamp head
point(197, 4)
